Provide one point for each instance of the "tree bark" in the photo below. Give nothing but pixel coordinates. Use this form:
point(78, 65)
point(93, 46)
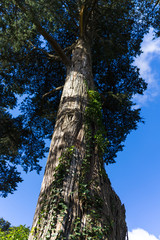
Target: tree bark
point(76, 199)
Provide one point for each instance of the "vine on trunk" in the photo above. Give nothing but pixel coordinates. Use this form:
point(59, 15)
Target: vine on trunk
point(95, 137)
point(93, 114)
point(55, 206)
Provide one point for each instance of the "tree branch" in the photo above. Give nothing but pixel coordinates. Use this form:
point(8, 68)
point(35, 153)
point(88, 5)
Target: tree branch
point(70, 11)
point(69, 48)
point(91, 10)
point(156, 3)
point(53, 43)
point(67, 51)
point(52, 91)
point(81, 21)
point(50, 56)
point(45, 34)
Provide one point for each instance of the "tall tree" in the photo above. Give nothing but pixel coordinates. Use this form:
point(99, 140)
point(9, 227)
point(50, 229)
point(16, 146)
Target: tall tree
point(86, 48)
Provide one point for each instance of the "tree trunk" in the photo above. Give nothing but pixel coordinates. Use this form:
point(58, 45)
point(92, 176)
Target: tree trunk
point(76, 199)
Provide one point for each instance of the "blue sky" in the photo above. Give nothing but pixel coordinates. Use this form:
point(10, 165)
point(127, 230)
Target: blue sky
point(136, 175)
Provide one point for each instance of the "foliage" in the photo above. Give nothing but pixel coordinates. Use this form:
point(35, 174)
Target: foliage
point(4, 225)
point(31, 66)
point(94, 116)
point(53, 205)
point(95, 138)
point(15, 233)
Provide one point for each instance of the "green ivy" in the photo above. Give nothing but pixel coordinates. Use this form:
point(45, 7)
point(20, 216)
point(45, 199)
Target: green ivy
point(93, 116)
point(56, 202)
point(95, 136)
point(92, 230)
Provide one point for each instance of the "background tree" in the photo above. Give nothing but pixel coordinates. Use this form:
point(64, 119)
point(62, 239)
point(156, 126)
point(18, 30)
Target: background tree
point(92, 44)
point(14, 233)
point(4, 225)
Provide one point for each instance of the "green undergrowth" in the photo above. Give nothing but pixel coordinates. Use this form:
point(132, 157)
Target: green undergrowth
point(15, 233)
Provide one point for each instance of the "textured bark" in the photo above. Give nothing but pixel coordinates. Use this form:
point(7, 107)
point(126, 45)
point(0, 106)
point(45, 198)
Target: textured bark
point(49, 222)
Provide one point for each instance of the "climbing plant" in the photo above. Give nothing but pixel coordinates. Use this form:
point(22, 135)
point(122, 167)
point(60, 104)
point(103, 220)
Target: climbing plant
point(55, 206)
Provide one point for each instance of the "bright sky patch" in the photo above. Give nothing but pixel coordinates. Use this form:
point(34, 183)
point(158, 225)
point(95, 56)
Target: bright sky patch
point(140, 234)
point(147, 62)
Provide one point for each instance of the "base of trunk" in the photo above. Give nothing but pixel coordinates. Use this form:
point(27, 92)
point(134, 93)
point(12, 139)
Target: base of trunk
point(72, 208)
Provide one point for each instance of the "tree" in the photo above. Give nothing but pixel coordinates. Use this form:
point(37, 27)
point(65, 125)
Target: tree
point(4, 225)
point(7, 232)
point(10, 232)
point(87, 48)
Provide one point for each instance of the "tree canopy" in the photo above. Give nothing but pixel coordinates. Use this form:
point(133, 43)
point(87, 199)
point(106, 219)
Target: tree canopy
point(4, 225)
point(7, 232)
point(36, 42)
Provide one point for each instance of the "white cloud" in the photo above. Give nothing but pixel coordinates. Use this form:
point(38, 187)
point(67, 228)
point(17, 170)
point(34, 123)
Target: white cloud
point(151, 51)
point(140, 234)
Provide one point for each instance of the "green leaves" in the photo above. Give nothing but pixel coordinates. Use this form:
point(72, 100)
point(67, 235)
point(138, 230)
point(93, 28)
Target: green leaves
point(94, 116)
point(54, 203)
point(4, 225)
point(15, 233)
point(63, 167)
point(115, 31)
point(94, 108)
